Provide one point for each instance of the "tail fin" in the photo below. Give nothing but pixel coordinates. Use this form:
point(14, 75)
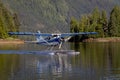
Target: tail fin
point(39, 38)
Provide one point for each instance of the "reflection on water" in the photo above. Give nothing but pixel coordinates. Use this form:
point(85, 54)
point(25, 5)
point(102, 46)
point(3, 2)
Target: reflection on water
point(100, 59)
point(96, 61)
point(35, 67)
point(54, 67)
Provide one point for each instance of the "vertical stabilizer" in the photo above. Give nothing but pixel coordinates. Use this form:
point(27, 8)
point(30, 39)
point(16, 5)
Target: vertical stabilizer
point(38, 37)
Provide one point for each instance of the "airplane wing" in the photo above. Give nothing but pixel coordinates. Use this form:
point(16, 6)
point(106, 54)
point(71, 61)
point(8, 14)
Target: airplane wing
point(29, 33)
point(49, 34)
point(80, 33)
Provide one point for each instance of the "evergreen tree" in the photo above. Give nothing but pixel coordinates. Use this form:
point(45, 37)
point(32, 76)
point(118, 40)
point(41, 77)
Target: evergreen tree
point(94, 19)
point(74, 26)
point(104, 22)
point(95, 22)
point(84, 23)
point(7, 22)
point(114, 23)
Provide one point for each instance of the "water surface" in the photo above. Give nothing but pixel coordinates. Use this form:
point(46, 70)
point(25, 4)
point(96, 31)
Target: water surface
point(96, 61)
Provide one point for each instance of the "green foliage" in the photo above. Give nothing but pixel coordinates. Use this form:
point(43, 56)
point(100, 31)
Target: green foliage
point(40, 14)
point(74, 25)
point(114, 23)
point(7, 22)
point(104, 22)
point(51, 15)
point(84, 23)
point(98, 22)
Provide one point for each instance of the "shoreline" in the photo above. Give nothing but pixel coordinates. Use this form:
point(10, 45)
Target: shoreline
point(14, 41)
point(107, 39)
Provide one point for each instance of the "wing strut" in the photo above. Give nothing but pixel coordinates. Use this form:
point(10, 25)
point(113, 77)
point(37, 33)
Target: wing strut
point(60, 45)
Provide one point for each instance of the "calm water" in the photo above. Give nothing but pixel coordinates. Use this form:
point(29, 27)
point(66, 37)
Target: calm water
point(96, 61)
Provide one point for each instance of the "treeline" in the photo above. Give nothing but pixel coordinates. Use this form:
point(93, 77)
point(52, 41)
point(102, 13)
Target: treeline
point(8, 21)
point(98, 21)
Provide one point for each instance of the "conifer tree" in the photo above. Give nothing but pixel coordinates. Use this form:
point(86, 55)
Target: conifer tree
point(114, 22)
point(74, 27)
point(94, 18)
point(84, 23)
point(104, 22)
point(7, 22)
point(96, 22)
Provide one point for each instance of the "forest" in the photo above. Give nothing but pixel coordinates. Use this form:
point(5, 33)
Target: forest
point(107, 25)
point(8, 22)
point(54, 15)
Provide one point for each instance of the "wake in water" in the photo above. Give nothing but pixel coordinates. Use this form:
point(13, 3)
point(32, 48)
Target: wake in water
point(47, 52)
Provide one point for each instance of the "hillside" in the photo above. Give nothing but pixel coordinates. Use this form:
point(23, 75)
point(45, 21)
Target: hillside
point(8, 22)
point(53, 15)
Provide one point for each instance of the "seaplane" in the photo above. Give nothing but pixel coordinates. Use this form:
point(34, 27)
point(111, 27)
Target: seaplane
point(50, 39)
